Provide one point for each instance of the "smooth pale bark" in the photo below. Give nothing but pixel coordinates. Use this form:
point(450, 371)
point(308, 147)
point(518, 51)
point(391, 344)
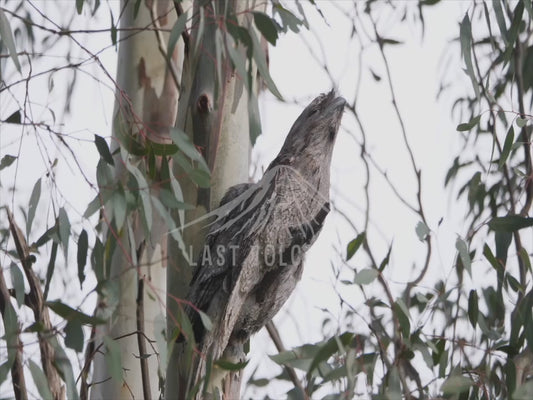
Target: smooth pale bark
point(216, 118)
point(146, 101)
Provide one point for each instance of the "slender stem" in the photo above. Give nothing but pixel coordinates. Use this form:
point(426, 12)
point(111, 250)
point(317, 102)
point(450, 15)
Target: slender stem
point(17, 370)
point(276, 339)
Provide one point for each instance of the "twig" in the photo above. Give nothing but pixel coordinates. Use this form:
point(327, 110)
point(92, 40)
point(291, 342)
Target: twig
point(145, 375)
point(40, 312)
point(276, 339)
point(17, 370)
point(140, 341)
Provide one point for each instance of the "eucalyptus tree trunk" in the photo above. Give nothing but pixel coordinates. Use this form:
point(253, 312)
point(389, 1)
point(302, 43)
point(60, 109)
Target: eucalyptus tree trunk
point(144, 257)
point(145, 108)
point(214, 111)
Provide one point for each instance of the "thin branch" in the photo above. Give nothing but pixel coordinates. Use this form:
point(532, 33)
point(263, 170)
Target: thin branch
point(40, 311)
point(145, 375)
point(276, 339)
point(17, 370)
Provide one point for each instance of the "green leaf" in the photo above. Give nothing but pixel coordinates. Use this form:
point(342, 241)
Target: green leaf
point(262, 66)
point(507, 146)
point(383, 41)
point(7, 38)
point(503, 241)
point(487, 252)
point(402, 313)
point(469, 125)
point(462, 248)
point(120, 206)
point(79, 6)
point(254, 117)
point(97, 260)
point(136, 7)
point(182, 140)
point(83, 244)
point(206, 321)
point(32, 206)
point(200, 177)
point(456, 384)
point(143, 188)
point(113, 358)
point(230, 366)
point(466, 49)
point(513, 282)
point(62, 364)
point(15, 118)
point(385, 261)
point(40, 380)
point(74, 335)
point(328, 349)
point(288, 19)
point(175, 33)
point(473, 309)
point(7, 160)
point(521, 122)
point(266, 26)
point(162, 149)
point(366, 276)
point(98, 202)
point(513, 31)
point(18, 283)
point(10, 339)
point(103, 149)
point(354, 245)
point(500, 18)
point(510, 223)
point(64, 230)
point(238, 60)
point(529, 7)
point(113, 30)
point(422, 231)
point(70, 314)
point(50, 269)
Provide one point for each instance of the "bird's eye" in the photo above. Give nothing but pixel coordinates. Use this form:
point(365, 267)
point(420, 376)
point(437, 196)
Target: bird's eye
point(313, 111)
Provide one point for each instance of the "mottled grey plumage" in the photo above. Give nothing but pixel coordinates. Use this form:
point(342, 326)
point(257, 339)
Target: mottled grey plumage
point(253, 253)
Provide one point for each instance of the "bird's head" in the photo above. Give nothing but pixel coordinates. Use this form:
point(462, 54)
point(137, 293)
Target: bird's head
point(313, 134)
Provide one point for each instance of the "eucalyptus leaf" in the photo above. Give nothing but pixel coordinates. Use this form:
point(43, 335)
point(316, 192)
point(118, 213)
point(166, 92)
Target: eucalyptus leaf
point(18, 283)
point(366, 276)
point(7, 38)
point(32, 206)
point(266, 26)
point(113, 358)
point(354, 245)
point(40, 380)
point(464, 255)
point(103, 149)
point(83, 244)
point(74, 335)
point(6, 160)
point(175, 33)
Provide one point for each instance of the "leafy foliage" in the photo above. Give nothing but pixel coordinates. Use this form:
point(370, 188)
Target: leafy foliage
point(461, 337)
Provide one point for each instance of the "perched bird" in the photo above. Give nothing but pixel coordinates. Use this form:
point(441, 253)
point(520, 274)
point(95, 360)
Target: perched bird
point(253, 254)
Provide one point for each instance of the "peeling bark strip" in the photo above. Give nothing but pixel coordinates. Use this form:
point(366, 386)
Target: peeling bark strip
point(264, 221)
point(17, 370)
point(40, 312)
